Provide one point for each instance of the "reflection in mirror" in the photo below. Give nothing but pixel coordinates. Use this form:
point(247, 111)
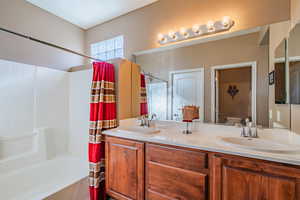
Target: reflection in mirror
point(281, 110)
point(280, 74)
point(294, 65)
point(225, 77)
point(157, 96)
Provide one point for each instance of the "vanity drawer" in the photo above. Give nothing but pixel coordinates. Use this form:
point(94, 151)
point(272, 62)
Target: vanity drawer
point(166, 182)
point(177, 157)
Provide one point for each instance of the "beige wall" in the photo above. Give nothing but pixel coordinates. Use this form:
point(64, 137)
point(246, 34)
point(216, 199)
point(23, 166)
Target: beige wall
point(140, 27)
point(295, 12)
point(294, 41)
point(295, 116)
point(22, 17)
point(227, 51)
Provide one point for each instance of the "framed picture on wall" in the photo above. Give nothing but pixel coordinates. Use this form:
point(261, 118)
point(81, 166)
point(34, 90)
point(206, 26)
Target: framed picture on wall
point(271, 77)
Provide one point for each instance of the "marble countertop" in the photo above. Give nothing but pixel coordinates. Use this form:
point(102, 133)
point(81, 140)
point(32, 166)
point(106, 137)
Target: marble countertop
point(207, 137)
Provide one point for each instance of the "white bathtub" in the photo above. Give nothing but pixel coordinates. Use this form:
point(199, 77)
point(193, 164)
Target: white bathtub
point(12, 145)
point(42, 180)
point(30, 169)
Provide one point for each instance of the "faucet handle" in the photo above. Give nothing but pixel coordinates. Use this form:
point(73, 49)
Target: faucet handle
point(254, 132)
point(142, 118)
point(243, 133)
point(153, 116)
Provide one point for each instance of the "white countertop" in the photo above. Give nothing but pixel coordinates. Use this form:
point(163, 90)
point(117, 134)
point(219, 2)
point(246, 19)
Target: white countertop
point(206, 137)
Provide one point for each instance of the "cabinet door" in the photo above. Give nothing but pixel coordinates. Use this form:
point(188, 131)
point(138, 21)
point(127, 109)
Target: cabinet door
point(238, 179)
point(124, 169)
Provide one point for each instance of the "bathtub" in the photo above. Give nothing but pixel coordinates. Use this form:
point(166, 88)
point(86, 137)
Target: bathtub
point(30, 169)
point(42, 180)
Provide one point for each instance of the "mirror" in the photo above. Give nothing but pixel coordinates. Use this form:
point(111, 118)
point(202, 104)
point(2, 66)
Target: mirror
point(281, 94)
point(287, 80)
point(224, 76)
point(157, 96)
point(294, 65)
point(281, 111)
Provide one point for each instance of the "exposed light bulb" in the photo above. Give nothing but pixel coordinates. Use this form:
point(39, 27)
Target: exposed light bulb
point(184, 32)
point(226, 21)
point(210, 26)
point(161, 37)
point(172, 35)
point(196, 29)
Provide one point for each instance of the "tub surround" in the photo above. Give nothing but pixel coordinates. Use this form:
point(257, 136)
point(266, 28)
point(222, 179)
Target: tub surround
point(207, 137)
point(44, 179)
point(43, 172)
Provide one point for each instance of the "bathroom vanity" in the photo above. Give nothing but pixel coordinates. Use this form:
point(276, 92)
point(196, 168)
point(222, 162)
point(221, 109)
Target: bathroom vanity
point(159, 167)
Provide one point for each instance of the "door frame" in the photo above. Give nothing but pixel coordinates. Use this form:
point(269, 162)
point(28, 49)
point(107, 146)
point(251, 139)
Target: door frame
point(253, 66)
point(171, 92)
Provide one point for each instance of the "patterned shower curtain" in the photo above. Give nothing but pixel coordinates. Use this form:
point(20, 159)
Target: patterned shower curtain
point(102, 116)
point(144, 105)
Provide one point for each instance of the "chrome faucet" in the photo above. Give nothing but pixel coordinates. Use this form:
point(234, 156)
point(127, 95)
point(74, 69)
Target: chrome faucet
point(143, 121)
point(248, 129)
point(146, 122)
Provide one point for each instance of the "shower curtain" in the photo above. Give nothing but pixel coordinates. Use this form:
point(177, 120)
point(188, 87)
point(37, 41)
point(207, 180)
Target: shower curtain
point(102, 116)
point(144, 105)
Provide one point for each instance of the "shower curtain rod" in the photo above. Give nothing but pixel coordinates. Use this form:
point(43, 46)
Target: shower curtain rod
point(48, 44)
point(154, 77)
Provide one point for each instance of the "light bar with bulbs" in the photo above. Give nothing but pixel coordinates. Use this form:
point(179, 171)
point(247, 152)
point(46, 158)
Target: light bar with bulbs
point(196, 31)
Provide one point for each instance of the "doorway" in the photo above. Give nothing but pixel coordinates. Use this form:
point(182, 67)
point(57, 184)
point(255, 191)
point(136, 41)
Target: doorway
point(187, 88)
point(234, 93)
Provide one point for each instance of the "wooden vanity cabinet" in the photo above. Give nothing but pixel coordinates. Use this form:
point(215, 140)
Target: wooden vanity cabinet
point(124, 169)
point(175, 173)
point(236, 178)
point(137, 170)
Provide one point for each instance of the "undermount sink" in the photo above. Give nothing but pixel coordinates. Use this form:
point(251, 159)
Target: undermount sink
point(260, 145)
point(139, 129)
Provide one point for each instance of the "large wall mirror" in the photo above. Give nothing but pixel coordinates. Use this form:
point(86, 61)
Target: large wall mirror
point(294, 65)
point(282, 112)
point(281, 77)
point(287, 80)
point(225, 76)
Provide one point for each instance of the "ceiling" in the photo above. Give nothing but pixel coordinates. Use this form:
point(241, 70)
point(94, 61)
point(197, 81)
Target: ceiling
point(88, 13)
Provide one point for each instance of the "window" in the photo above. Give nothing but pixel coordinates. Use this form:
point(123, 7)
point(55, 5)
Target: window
point(108, 49)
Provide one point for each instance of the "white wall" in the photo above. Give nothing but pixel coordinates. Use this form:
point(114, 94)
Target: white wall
point(80, 84)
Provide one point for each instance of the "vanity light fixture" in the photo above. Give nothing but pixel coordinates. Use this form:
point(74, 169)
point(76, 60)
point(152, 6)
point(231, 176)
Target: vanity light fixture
point(211, 27)
point(184, 32)
point(161, 38)
point(196, 29)
point(172, 35)
point(226, 21)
